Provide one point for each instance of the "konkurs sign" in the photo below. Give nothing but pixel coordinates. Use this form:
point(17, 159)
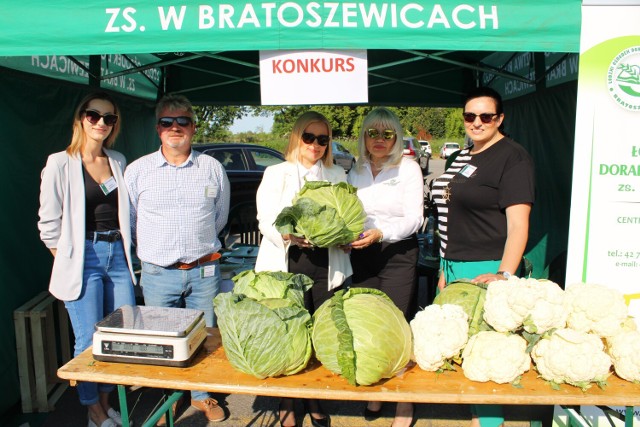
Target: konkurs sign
point(313, 77)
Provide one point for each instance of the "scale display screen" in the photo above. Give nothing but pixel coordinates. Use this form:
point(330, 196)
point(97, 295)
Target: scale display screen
point(121, 348)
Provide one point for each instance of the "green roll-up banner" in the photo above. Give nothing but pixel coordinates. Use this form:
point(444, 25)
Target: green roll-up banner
point(604, 229)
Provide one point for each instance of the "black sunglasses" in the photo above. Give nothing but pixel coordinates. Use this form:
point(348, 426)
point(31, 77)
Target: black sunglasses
point(323, 140)
point(387, 134)
point(167, 122)
point(484, 117)
point(94, 117)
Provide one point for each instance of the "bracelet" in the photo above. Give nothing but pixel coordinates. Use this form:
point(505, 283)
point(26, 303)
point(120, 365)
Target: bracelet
point(381, 236)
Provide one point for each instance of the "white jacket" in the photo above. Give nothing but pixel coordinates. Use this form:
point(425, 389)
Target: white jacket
point(62, 219)
point(279, 185)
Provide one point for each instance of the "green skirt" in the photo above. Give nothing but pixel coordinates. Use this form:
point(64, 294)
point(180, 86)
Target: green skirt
point(488, 415)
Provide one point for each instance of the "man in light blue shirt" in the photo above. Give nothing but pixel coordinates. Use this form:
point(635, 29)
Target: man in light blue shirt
point(179, 204)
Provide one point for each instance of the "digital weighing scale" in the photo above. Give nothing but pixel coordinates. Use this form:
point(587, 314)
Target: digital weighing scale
point(150, 335)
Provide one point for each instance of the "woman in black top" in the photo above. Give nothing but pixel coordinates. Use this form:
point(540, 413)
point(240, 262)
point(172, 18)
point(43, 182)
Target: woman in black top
point(84, 221)
point(484, 199)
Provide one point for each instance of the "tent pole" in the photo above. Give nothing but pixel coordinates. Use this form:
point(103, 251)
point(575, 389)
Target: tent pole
point(94, 71)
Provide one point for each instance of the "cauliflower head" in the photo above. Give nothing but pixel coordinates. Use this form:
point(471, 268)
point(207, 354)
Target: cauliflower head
point(624, 349)
point(535, 305)
point(571, 357)
point(595, 308)
point(439, 333)
point(495, 356)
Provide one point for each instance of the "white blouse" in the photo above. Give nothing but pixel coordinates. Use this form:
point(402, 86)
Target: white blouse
point(393, 201)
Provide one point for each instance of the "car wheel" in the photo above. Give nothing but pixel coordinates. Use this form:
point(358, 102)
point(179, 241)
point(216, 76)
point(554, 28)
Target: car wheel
point(425, 170)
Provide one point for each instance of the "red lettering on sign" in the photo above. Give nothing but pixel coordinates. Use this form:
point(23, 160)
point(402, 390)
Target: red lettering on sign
point(313, 65)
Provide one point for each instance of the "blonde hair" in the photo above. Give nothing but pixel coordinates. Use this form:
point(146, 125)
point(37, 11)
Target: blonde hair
point(78, 136)
point(293, 149)
point(381, 118)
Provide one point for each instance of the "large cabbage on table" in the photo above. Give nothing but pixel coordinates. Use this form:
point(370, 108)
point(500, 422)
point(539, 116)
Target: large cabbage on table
point(264, 325)
point(361, 335)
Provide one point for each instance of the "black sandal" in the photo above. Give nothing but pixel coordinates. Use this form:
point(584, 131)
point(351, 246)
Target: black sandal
point(317, 422)
point(370, 415)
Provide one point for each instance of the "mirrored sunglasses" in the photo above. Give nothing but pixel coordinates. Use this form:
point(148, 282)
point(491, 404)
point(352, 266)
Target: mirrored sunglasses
point(387, 134)
point(484, 117)
point(167, 122)
point(94, 117)
point(323, 140)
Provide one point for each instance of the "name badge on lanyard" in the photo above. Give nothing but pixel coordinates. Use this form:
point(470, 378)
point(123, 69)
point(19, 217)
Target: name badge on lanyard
point(109, 185)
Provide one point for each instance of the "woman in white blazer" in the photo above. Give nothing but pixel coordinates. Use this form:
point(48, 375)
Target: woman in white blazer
point(84, 221)
point(308, 158)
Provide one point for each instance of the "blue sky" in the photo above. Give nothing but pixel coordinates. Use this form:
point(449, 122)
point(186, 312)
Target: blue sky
point(251, 124)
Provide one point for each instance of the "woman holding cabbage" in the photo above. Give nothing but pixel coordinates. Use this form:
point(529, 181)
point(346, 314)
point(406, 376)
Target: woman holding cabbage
point(386, 254)
point(308, 158)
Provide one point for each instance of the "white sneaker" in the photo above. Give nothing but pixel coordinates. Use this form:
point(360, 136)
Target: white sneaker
point(115, 416)
point(107, 423)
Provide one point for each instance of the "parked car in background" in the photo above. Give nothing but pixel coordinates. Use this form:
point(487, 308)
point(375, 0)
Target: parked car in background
point(413, 150)
point(426, 147)
point(448, 148)
point(244, 164)
point(342, 156)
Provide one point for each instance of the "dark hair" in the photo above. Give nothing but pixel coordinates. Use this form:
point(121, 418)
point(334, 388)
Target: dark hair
point(488, 92)
point(483, 91)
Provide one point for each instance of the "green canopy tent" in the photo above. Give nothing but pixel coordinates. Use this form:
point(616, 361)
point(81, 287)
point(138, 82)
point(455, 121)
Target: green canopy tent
point(419, 53)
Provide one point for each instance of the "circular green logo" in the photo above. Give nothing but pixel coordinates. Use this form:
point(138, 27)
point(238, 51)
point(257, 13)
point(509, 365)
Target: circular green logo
point(623, 78)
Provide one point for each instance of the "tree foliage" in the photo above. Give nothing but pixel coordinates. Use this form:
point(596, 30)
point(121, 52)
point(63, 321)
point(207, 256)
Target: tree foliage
point(346, 120)
point(213, 122)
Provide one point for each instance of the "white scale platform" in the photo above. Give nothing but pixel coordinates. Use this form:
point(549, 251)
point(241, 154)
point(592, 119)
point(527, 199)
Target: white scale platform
point(150, 335)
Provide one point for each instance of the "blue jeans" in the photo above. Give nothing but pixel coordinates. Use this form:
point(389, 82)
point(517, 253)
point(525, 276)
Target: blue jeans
point(106, 285)
point(170, 287)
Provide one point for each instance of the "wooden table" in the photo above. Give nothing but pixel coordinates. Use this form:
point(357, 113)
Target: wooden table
point(211, 371)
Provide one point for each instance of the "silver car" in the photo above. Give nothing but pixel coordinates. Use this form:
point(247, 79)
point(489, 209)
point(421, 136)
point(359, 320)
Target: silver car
point(426, 147)
point(414, 151)
point(342, 156)
point(448, 148)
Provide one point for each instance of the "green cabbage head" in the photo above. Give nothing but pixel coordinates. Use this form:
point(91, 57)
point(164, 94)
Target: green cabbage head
point(470, 297)
point(272, 284)
point(361, 335)
point(265, 338)
point(325, 214)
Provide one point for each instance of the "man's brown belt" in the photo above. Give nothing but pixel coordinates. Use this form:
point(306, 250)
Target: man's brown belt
point(188, 266)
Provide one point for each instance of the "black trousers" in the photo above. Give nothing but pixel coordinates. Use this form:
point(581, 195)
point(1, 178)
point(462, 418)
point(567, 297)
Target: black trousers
point(391, 268)
point(315, 264)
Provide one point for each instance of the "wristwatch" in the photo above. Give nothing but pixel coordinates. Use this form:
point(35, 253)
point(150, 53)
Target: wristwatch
point(504, 274)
